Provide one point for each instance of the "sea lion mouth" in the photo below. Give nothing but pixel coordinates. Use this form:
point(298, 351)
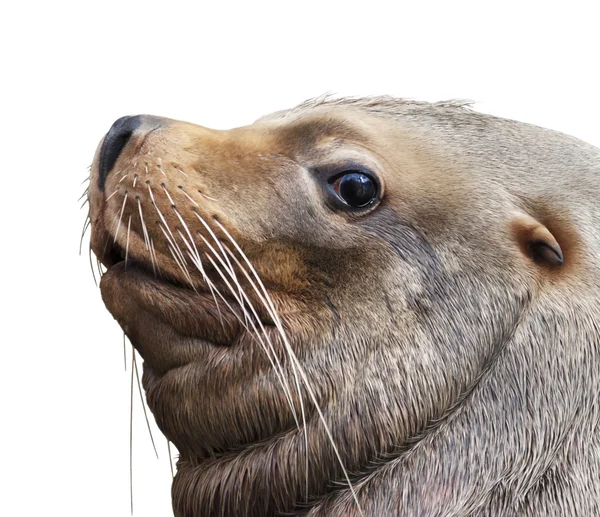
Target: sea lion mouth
point(170, 322)
point(113, 255)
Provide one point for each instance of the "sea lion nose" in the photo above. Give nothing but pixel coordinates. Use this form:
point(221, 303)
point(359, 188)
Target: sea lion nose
point(117, 138)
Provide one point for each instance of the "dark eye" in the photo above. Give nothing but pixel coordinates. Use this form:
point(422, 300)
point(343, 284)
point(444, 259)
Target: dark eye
point(356, 189)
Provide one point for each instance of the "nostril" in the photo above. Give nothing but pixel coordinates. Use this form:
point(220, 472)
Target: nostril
point(115, 141)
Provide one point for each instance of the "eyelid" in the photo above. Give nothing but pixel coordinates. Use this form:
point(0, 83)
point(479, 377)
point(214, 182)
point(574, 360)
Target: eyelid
point(339, 168)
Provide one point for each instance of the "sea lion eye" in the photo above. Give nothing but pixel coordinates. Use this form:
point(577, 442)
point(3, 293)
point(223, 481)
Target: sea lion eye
point(355, 188)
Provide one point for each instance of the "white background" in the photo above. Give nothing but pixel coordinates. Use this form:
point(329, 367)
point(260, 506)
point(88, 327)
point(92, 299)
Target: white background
point(68, 70)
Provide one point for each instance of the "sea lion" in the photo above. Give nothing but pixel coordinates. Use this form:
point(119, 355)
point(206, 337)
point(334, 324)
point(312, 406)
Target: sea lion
point(369, 307)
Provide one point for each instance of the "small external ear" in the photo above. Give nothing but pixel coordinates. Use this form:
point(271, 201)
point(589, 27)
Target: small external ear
point(536, 240)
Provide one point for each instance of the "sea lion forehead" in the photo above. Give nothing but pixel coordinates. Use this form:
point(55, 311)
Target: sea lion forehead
point(300, 133)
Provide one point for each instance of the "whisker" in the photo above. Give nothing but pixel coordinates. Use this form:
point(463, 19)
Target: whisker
point(194, 256)
point(183, 269)
point(92, 266)
point(146, 237)
point(173, 246)
point(109, 197)
point(207, 197)
point(187, 230)
point(124, 352)
point(127, 245)
point(86, 225)
point(187, 195)
point(131, 430)
point(167, 193)
point(85, 192)
point(170, 458)
point(99, 266)
point(137, 375)
point(155, 267)
point(295, 360)
point(271, 311)
point(144, 229)
point(195, 252)
point(274, 360)
point(172, 239)
point(198, 263)
point(118, 227)
point(218, 242)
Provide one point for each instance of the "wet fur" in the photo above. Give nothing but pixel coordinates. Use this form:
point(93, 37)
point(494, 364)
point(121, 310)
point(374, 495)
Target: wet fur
point(458, 374)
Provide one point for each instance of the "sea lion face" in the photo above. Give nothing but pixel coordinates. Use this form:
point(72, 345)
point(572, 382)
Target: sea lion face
point(331, 256)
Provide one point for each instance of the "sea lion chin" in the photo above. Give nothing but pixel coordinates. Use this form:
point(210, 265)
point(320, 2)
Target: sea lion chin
point(361, 307)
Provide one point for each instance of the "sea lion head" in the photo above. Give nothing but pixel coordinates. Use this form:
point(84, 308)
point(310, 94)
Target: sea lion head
point(352, 306)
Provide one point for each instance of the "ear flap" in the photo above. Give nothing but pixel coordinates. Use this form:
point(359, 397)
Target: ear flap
point(537, 241)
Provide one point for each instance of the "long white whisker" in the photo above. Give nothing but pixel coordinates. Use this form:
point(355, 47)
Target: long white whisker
point(271, 310)
point(205, 196)
point(171, 239)
point(85, 192)
point(153, 255)
point(131, 431)
point(188, 196)
point(110, 197)
point(216, 291)
point(179, 264)
point(195, 258)
point(92, 266)
point(86, 225)
point(268, 304)
point(167, 193)
point(229, 267)
point(187, 230)
point(274, 360)
point(170, 458)
point(124, 352)
point(120, 217)
point(137, 375)
point(147, 240)
point(295, 360)
point(144, 230)
point(99, 266)
point(127, 244)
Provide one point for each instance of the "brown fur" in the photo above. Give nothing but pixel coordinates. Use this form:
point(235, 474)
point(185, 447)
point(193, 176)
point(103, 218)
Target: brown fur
point(456, 365)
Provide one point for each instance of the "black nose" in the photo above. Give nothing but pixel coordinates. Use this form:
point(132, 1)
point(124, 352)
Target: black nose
point(114, 142)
